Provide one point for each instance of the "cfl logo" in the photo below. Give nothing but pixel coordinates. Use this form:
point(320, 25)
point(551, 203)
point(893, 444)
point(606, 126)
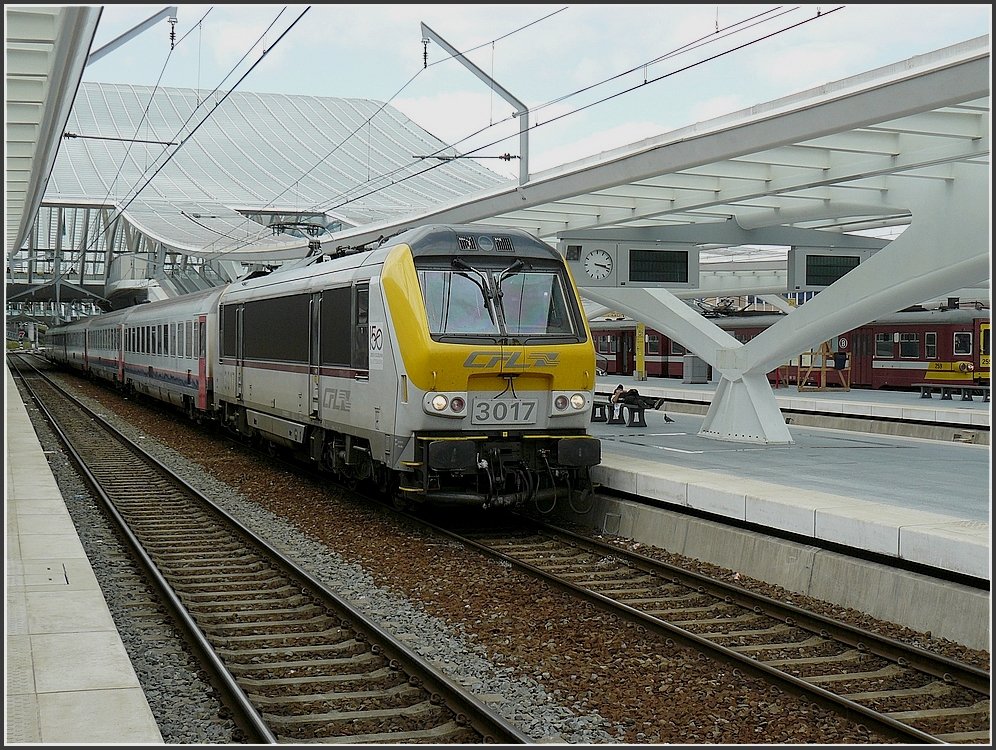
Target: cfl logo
point(336, 398)
point(515, 360)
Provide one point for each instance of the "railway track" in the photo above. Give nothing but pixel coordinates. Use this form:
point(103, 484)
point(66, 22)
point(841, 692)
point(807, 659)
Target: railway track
point(293, 662)
point(898, 690)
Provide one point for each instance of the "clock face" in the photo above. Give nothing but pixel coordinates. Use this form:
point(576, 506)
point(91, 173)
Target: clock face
point(598, 264)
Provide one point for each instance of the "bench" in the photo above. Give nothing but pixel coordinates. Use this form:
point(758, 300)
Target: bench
point(947, 390)
point(627, 414)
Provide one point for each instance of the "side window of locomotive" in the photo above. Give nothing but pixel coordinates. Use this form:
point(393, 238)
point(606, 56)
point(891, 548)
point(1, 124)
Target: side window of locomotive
point(930, 345)
point(963, 342)
point(361, 328)
point(272, 329)
point(229, 331)
point(336, 308)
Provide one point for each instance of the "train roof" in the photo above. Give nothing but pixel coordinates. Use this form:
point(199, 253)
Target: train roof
point(473, 239)
point(146, 310)
point(965, 315)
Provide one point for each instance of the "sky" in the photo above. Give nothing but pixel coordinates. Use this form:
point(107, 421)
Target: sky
point(594, 76)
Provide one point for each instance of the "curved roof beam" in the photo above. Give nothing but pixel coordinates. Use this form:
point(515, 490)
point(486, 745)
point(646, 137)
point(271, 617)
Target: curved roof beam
point(46, 49)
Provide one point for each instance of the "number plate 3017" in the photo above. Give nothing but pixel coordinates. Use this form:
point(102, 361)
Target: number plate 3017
point(503, 411)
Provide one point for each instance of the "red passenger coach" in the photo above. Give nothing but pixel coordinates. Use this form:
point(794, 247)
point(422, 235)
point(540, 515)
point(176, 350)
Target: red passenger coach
point(942, 346)
point(946, 346)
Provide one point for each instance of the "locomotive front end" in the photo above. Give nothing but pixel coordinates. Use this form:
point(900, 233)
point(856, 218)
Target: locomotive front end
point(496, 347)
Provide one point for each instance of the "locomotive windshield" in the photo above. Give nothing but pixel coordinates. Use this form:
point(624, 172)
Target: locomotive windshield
point(496, 302)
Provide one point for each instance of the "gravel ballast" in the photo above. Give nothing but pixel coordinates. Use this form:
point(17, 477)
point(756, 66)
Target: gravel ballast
point(560, 670)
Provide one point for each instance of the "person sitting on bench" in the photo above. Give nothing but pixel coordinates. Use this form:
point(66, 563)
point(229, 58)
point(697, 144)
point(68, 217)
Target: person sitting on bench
point(634, 398)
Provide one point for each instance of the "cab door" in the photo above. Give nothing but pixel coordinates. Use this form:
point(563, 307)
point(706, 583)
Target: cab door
point(314, 361)
point(861, 344)
point(121, 333)
point(626, 353)
point(984, 365)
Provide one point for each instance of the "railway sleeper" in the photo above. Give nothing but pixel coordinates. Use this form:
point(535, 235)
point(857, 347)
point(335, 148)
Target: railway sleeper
point(402, 691)
point(981, 737)
point(810, 642)
point(756, 633)
point(438, 733)
point(235, 608)
point(420, 709)
point(228, 582)
point(610, 578)
point(980, 710)
point(191, 567)
point(239, 587)
point(517, 549)
point(191, 544)
point(319, 621)
point(325, 649)
point(661, 597)
point(300, 668)
point(890, 670)
point(552, 564)
point(374, 675)
point(259, 616)
point(846, 656)
point(283, 592)
point(271, 640)
point(642, 584)
point(931, 689)
point(746, 617)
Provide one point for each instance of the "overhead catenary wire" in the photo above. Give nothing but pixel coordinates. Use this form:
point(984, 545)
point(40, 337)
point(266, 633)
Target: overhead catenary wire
point(136, 191)
point(379, 182)
point(345, 198)
point(821, 14)
point(745, 24)
point(81, 254)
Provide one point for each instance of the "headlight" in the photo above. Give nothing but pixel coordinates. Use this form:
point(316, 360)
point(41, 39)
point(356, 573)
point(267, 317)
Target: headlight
point(578, 401)
point(452, 405)
point(560, 402)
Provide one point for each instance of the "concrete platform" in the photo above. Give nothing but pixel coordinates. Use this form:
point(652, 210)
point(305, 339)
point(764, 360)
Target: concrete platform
point(914, 499)
point(69, 679)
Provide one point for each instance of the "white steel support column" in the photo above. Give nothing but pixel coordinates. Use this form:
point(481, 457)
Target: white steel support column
point(945, 248)
point(744, 403)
